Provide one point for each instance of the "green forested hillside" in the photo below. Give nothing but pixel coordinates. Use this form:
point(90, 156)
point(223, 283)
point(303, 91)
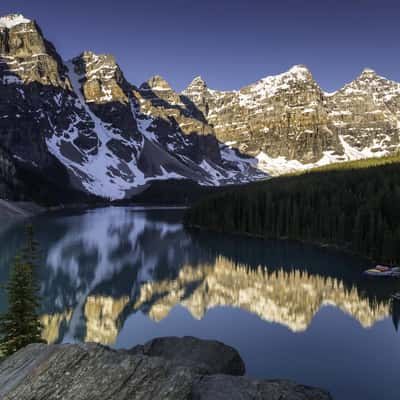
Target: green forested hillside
point(351, 205)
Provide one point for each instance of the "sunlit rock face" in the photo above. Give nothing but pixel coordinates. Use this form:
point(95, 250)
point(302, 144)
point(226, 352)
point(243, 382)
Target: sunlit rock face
point(366, 113)
point(289, 123)
point(159, 99)
point(289, 298)
point(281, 115)
point(27, 56)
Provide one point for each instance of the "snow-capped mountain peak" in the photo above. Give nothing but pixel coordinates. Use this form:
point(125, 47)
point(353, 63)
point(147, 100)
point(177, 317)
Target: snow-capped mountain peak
point(368, 71)
point(196, 83)
point(110, 137)
point(300, 71)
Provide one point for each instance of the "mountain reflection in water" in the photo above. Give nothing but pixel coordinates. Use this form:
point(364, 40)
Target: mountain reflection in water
point(103, 265)
point(120, 276)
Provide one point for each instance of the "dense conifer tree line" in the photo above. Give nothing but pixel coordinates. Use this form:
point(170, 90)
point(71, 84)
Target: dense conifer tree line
point(351, 205)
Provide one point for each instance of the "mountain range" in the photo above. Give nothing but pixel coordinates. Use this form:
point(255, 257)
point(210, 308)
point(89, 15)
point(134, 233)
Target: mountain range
point(80, 125)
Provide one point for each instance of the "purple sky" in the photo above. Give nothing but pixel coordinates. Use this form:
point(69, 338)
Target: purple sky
point(230, 43)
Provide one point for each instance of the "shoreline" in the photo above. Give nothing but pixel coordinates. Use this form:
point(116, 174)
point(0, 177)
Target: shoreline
point(321, 245)
point(13, 210)
point(17, 211)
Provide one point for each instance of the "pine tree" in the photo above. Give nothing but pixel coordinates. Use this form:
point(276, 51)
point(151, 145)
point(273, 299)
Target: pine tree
point(20, 325)
point(31, 251)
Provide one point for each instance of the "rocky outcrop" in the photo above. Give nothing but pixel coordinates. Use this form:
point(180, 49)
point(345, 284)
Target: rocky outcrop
point(96, 372)
point(206, 356)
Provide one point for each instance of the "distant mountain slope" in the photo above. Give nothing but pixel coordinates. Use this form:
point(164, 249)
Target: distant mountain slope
point(112, 137)
point(354, 206)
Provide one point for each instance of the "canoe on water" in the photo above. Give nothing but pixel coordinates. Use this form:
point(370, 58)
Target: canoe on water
point(383, 271)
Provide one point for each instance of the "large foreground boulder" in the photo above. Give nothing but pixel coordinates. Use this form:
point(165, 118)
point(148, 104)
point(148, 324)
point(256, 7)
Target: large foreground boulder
point(95, 372)
point(206, 356)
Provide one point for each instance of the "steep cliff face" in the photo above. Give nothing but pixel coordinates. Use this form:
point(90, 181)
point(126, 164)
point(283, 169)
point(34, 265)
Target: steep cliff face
point(109, 135)
point(365, 114)
point(178, 120)
point(32, 80)
point(289, 123)
point(281, 115)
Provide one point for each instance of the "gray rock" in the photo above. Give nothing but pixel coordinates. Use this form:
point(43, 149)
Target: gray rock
point(82, 372)
point(220, 387)
point(207, 356)
point(95, 372)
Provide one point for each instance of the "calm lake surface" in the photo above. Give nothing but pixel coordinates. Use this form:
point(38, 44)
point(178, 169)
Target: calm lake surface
point(121, 276)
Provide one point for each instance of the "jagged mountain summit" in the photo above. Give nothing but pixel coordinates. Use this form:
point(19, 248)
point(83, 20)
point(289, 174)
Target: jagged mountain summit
point(108, 137)
point(288, 123)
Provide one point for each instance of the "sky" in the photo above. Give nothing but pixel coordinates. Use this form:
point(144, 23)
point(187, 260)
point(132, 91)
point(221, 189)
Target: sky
point(230, 43)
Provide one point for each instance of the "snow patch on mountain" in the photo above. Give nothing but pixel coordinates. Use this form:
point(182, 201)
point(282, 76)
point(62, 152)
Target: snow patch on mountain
point(267, 87)
point(280, 165)
point(105, 174)
point(9, 21)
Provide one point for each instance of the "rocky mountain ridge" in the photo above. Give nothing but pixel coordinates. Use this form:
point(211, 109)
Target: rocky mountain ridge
point(288, 123)
point(112, 138)
point(110, 135)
